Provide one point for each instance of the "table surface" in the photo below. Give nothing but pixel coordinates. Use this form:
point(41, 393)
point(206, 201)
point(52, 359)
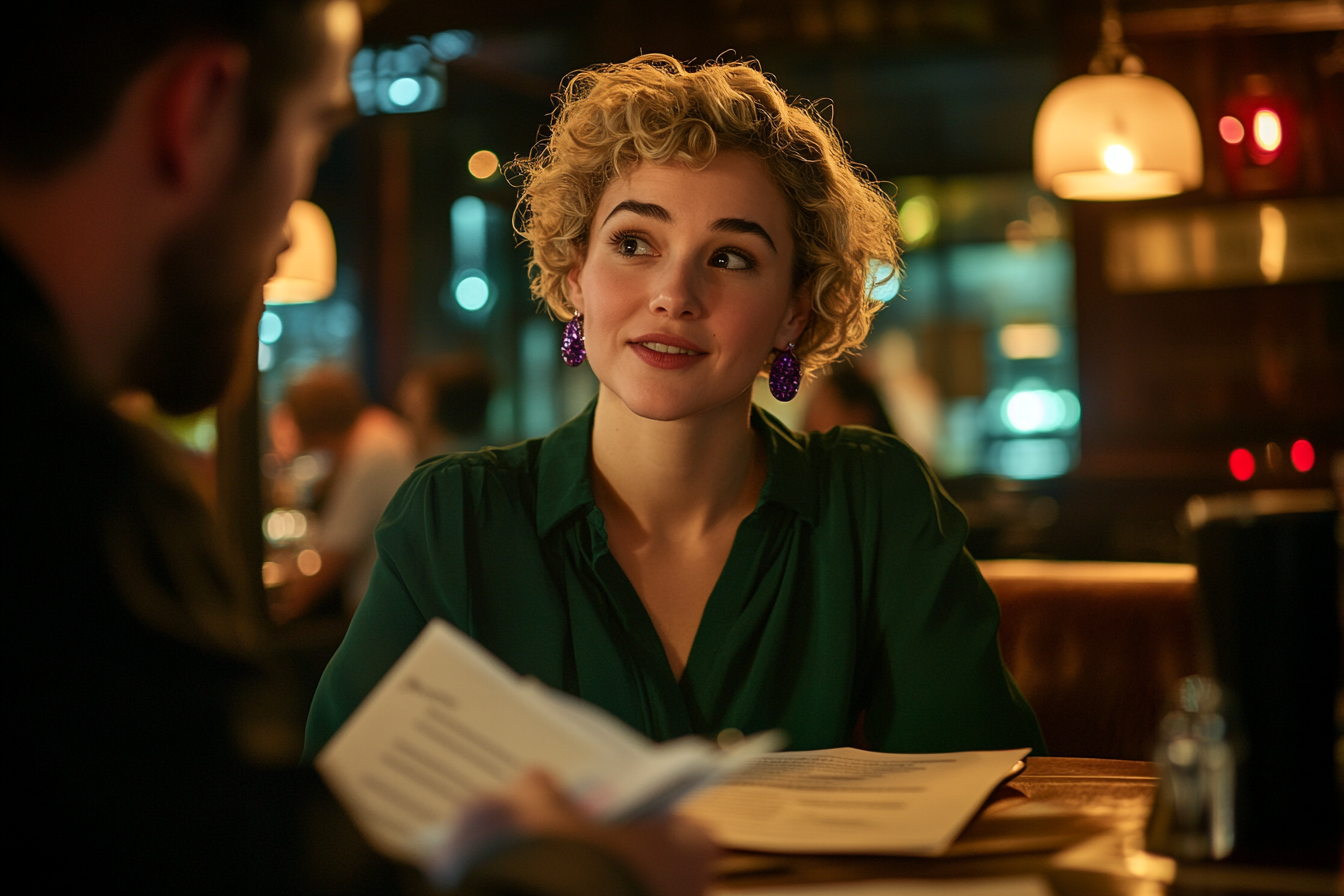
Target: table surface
point(1090, 845)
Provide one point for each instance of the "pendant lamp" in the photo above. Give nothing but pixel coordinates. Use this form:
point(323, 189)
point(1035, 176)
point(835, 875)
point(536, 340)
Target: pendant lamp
point(1116, 133)
point(306, 271)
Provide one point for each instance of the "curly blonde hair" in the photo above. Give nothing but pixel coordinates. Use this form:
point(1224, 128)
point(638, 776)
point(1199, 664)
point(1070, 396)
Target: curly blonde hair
point(653, 109)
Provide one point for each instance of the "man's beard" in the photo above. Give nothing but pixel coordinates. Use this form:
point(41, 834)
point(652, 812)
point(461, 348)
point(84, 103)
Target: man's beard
point(208, 288)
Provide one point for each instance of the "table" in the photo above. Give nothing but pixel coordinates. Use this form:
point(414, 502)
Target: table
point(1082, 821)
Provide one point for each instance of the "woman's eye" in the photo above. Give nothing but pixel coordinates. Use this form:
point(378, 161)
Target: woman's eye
point(729, 261)
point(632, 245)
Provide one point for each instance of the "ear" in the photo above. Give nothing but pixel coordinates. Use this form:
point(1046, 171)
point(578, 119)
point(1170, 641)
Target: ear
point(575, 290)
point(796, 316)
point(198, 116)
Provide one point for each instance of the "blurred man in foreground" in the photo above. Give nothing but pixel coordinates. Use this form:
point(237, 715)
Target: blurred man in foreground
point(148, 154)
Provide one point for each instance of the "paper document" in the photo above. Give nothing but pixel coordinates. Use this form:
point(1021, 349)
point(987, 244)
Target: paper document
point(851, 801)
point(1022, 885)
point(450, 723)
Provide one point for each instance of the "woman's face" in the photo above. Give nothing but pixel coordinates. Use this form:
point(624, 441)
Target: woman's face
point(686, 285)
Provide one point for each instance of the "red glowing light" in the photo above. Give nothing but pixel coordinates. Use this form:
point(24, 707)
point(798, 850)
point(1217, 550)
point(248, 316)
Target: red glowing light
point(1303, 455)
point(1242, 464)
point(1267, 130)
point(1230, 129)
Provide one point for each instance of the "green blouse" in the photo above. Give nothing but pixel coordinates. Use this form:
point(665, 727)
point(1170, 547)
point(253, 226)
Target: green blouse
point(847, 593)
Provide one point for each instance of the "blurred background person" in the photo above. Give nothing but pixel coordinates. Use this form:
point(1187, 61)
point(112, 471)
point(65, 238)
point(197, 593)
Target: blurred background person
point(446, 402)
point(844, 397)
point(364, 452)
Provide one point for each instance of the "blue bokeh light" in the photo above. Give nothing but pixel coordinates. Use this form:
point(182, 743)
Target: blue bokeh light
point(404, 91)
point(270, 328)
point(472, 291)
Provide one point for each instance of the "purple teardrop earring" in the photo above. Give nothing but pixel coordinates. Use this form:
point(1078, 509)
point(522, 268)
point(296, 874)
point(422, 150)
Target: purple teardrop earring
point(786, 375)
point(572, 349)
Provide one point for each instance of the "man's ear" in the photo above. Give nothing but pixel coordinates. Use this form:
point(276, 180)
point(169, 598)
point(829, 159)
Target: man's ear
point(198, 117)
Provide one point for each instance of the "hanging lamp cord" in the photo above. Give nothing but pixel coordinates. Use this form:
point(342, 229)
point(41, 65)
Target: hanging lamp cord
point(1113, 56)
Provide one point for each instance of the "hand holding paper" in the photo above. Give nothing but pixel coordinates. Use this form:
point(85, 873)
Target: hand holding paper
point(450, 724)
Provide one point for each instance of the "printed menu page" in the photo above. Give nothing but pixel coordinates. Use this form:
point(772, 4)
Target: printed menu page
point(851, 801)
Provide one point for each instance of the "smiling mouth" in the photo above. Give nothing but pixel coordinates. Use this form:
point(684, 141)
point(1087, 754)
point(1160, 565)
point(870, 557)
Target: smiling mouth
point(667, 349)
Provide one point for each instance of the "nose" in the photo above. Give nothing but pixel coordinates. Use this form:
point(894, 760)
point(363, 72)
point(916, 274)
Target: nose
point(677, 293)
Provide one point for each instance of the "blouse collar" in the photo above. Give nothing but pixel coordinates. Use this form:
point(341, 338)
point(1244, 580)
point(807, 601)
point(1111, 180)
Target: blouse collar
point(566, 484)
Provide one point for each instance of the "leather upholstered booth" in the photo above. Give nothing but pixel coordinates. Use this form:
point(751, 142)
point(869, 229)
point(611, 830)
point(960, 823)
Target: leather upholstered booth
point(1097, 648)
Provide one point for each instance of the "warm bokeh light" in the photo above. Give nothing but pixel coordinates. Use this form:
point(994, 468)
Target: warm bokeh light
point(1303, 455)
point(1273, 242)
point(309, 562)
point(1029, 341)
point(1118, 158)
point(283, 525)
point(1242, 464)
point(919, 218)
point(272, 574)
point(483, 164)
point(1267, 130)
point(1230, 129)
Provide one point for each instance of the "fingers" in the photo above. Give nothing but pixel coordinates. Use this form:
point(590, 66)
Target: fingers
point(672, 856)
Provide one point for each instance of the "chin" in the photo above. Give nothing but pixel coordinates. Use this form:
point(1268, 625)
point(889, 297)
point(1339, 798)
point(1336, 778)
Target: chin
point(666, 405)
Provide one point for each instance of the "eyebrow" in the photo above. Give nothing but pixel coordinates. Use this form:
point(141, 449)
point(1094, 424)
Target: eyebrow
point(647, 209)
point(658, 213)
point(742, 225)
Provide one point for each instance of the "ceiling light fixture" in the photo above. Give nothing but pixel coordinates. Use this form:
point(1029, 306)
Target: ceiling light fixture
point(1116, 133)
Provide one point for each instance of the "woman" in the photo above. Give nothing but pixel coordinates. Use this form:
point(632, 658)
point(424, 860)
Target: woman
point(674, 554)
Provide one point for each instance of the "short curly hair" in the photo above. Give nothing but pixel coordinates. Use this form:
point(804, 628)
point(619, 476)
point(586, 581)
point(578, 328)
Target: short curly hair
point(654, 109)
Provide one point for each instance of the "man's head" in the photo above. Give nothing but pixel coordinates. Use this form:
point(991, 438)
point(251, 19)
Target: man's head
point(325, 403)
point(169, 137)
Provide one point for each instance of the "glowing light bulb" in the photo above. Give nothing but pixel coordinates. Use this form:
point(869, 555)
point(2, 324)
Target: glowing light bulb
point(483, 164)
point(472, 293)
point(1242, 464)
point(404, 91)
point(1118, 159)
point(919, 218)
point(1303, 455)
point(309, 562)
point(1267, 129)
point(270, 328)
point(1231, 130)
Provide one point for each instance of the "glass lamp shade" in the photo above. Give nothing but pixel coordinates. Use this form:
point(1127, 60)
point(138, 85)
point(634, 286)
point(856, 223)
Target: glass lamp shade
point(306, 271)
point(1115, 137)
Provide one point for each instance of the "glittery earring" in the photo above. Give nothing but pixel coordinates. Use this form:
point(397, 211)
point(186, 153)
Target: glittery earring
point(571, 344)
point(786, 375)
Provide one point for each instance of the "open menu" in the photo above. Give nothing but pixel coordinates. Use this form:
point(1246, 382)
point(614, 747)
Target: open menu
point(851, 801)
point(450, 723)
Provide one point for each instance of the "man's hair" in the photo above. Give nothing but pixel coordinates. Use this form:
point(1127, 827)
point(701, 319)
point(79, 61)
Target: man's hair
point(67, 69)
point(857, 392)
point(325, 400)
point(461, 388)
point(653, 109)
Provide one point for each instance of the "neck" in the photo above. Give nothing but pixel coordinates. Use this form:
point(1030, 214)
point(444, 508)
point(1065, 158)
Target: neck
point(683, 476)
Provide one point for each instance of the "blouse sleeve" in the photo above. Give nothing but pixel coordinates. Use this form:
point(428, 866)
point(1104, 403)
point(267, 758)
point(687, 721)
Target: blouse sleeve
point(936, 679)
point(419, 574)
